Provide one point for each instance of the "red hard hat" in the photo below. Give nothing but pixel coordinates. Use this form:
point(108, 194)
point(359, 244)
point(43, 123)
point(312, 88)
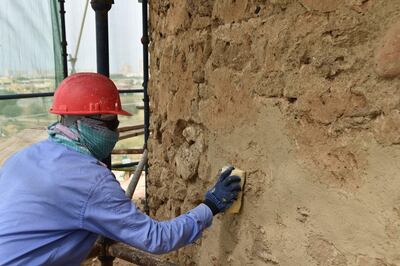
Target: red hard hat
point(87, 94)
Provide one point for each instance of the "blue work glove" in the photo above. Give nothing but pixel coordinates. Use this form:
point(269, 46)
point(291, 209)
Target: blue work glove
point(221, 196)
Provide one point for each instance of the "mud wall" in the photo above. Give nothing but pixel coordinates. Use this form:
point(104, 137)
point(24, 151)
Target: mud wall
point(304, 96)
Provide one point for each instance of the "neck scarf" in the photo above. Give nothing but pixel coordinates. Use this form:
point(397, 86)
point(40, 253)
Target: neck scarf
point(86, 136)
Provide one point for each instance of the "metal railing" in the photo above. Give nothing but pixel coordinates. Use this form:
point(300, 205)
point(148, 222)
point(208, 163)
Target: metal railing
point(50, 94)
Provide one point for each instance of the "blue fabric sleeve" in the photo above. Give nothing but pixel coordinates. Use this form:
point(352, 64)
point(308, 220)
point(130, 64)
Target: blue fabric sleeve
point(110, 213)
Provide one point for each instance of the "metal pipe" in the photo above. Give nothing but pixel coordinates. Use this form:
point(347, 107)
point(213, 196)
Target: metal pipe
point(106, 260)
point(128, 151)
point(131, 91)
point(129, 128)
point(136, 256)
point(130, 254)
point(131, 135)
point(63, 38)
point(25, 95)
point(123, 165)
point(135, 178)
point(49, 94)
point(102, 43)
point(101, 8)
point(145, 42)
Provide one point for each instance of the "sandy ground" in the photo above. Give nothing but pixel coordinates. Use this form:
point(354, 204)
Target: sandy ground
point(140, 189)
point(19, 141)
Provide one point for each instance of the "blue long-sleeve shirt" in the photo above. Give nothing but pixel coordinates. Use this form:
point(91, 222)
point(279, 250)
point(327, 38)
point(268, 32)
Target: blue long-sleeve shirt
point(54, 202)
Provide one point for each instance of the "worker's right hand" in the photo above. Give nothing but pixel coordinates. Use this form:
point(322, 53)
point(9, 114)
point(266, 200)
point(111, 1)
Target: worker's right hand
point(225, 191)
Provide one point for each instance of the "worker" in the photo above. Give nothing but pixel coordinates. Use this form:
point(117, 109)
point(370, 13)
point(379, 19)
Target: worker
point(56, 196)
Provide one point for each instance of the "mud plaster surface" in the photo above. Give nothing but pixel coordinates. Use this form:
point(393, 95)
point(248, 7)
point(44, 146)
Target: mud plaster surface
point(286, 90)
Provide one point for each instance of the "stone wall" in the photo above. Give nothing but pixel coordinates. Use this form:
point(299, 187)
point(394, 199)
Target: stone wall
point(304, 95)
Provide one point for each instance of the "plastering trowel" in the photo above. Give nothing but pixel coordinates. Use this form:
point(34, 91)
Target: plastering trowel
point(235, 208)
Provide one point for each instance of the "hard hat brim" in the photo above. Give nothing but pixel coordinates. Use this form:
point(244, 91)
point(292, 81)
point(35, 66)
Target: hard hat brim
point(122, 112)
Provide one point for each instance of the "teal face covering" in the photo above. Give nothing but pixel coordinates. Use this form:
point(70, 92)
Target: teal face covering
point(67, 136)
point(99, 140)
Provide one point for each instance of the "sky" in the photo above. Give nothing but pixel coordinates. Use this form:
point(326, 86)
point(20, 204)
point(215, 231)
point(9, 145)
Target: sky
point(26, 44)
point(125, 31)
point(25, 35)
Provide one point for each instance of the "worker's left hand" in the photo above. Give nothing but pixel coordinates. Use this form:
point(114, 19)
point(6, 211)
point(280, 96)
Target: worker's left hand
point(225, 191)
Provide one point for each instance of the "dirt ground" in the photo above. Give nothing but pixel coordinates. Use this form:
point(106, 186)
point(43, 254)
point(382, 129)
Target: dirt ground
point(22, 139)
point(304, 96)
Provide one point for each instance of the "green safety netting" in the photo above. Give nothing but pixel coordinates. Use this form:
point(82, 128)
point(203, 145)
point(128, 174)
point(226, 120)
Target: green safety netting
point(30, 62)
point(30, 46)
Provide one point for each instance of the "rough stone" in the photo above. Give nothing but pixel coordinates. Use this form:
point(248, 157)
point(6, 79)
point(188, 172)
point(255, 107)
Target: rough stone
point(387, 58)
point(228, 11)
point(178, 190)
point(322, 5)
point(363, 260)
point(287, 91)
point(325, 253)
point(198, 77)
point(387, 128)
point(187, 161)
point(190, 133)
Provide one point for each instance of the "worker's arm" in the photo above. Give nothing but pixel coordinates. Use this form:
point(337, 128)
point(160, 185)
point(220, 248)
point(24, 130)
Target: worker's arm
point(110, 213)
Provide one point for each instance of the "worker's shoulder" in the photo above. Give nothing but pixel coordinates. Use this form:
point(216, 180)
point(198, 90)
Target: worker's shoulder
point(51, 150)
point(25, 151)
point(63, 154)
point(45, 146)
point(67, 159)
